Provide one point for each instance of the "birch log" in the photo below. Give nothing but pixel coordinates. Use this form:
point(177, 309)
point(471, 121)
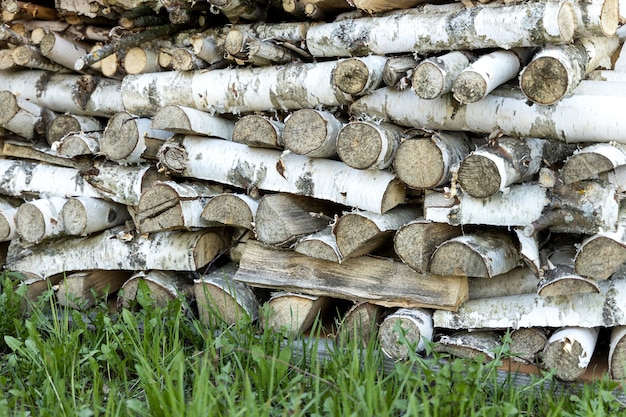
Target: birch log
point(360, 323)
point(556, 71)
point(116, 249)
point(531, 310)
point(559, 276)
point(64, 124)
point(617, 354)
point(231, 209)
point(466, 344)
point(359, 76)
point(569, 351)
point(362, 232)
point(81, 290)
point(30, 56)
point(320, 245)
point(597, 18)
point(527, 343)
point(8, 228)
point(376, 280)
point(505, 161)
point(293, 313)
point(235, 10)
point(519, 280)
point(423, 163)
point(405, 330)
point(259, 132)
point(20, 149)
point(129, 139)
point(77, 144)
point(364, 144)
point(141, 60)
point(190, 121)
point(247, 48)
point(220, 299)
point(579, 118)
point(482, 255)
point(62, 50)
point(435, 76)
point(266, 169)
point(162, 287)
point(397, 70)
point(591, 160)
point(235, 90)
point(185, 60)
point(22, 116)
point(84, 215)
point(440, 28)
point(312, 133)
point(40, 219)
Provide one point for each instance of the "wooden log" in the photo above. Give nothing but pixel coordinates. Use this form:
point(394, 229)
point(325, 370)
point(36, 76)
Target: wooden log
point(368, 145)
point(559, 278)
point(172, 206)
point(238, 243)
point(529, 250)
point(6, 60)
point(505, 161)
point(531, 310)
point(592, 160)
point(596, 18)
point(360, 323)
point(40, 219)
point(488, 72)
point(556, 71)
point(77, 144)
point(185, 120)
point(84, 215)
point(220, 299)
point(183, 59)
point(259, 132)
point(208, 46)
point(359, 76)
point(379, 281)
point(8, 228)
point(430, 30)
point(466, 344)
point(13, 37)
point(320, 245)
point(141, 60)
point(361, 232)
point(584, 117)
point(30, 56)
point(81, 290)
point(293, 313)
point(248, 49)
point(234, 10)
point(526, 344)
point(35, 287)
point(231, 209)
point(312, 133)
point(519, 280)
point(19, 149)
point(569, 351)
point(61, 49)
point(64, 124)
point(435, 76)
point(23, 117)
point(235, 90)
point(482, 254)
point(117, 249)
point(416, 241)
point(617, 356)
point(162, 286)
point(424, 163)
point(17, 10)
point(405, 330)
point(247, 168)
point(283, 218)
point(397, 70)
point(129, 139)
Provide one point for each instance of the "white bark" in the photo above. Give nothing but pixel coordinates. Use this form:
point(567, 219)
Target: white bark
point(569, 351)
point(312, 133)
point(596, 17)
point(29, 56)
point(8, 228)
point(76, 144)
point(559, 278)
point(122, 184)
point(439, 28)
point(22, 116)
point(368, 145)
point(65, 124)
point(320, 245)
point(435, 76)
point(528, 250)
point(40, 219)
point(185, 120)
point(259, 131)
point(359, 76)
point(466, 344)
point(84, 215)
point(617, 354)
point(62, 50)
point(267, 169)
point(249, 49)
point(231, 209)
point(416, 329)
point(397, 70)
point(592, 160)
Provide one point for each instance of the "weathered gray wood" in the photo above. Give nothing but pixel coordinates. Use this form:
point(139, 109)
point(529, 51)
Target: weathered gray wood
point(361, 323)
point(592, 160)
point(231, 209)
point(320, 245)
point(466, 344)
point(435, 76)
point(293, 313)
point(23, 117)
point(259, 131)
point(185, 120)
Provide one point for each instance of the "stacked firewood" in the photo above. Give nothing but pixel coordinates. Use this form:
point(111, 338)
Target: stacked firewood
point(430, 172)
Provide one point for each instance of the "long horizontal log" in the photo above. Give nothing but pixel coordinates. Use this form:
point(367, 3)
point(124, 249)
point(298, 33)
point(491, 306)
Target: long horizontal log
point(267, 169)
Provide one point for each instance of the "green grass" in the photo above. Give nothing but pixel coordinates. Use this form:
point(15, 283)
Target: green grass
point(152, 361)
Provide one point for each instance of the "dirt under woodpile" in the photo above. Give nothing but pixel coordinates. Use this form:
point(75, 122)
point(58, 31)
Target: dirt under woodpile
point(457, 168)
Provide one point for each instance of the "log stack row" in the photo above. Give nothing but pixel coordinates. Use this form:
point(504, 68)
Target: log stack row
point(441, 172)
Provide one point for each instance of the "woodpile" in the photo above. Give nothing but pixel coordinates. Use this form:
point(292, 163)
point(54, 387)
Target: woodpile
point(419, 172)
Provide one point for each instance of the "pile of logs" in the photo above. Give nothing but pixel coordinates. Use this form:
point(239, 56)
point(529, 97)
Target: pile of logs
point(448, 172)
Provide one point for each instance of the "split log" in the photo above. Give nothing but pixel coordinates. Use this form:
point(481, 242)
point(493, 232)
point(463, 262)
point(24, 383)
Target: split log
point(259, 132)
point(424, 163)
point(312, 133)
point(617, 354)
point(405, 330)
point(231, 209)
point(209, 46)
point(359, 76)
point(283, 218)
point(81, 290)
point(66, 93)
point(190, 121)
point(162, 286)
point(379, 281)
point(416, 241)
point(368, 145)
point(569, 351)
point(238, 243)
point(360, 323)
point(488, 72)
point(15, 149)
point(84, 215)
point(527, 344)
point(129, 139)
point(480, 255)
point(435, 76)
point(64, 124)
point(172, 206)
point(438, 28)
point(220, 299)
point(235, 90)
point(10, 36)
point(519, 280)
point(77, 144)
point(362, 232)
point(531, 310)
point(117, 249)
point(556, 71)
point(592, 160)
point(40, 219)
point(505, 161)
point(579, 118)
point(141, 60)
point(247, 168)
point(559, 277)
point(248, 49)
point(397, 70)
point(466, 344)
point(293, 313)
point(529, 250)
point(30, 56)
point(183, 59)
point(22, 116)
point(62, 50)
point(320, 245)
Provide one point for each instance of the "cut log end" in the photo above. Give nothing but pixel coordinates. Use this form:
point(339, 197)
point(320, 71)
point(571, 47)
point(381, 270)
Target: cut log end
point(479, 176)
point(599, 258)
point(230, 210)
point(617, 359)
point(8, 106)
point(171, 118)
point(256, 131)
point(357, 235)
point(359, 145)
point(470, 344)
point(567, 284)
point(30, 223)
point(395, 194)
point(584, 166)
point(428, 81)
point(61, 126)
point(397, 334)
point(351, 76)
point(305, 131)
point(360, 323)
point(120, 137)
point(419, 164)
point(74, 217)
point(469, 87)
point(455, 258)
point(564, 357)
point(544, 81)
point(610, 17)
point(527, 343)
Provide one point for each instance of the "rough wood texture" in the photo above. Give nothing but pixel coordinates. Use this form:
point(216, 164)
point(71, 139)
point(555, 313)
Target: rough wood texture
point(312, 133)
point(23, 117)
point(527, 343)
point(231, 209)
point(259, 131)
point(40, 219)
point(405, 329)
point(599, 256)
point(569, 351)
point(361, 323)
point(190, 121)
point(320, 245)
point(77, 144)
point(559, 278)
point(292, 312)
point(435, 76)
point(83, 215)
point(592, 160)
point(64, 124)
point(81, 290)
point(466, 344)
point(163, 287)
point(359, 76)
point(376, 280)
point(396, 71)
point(617, 353)
point(519, 280)
point(363, 144)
